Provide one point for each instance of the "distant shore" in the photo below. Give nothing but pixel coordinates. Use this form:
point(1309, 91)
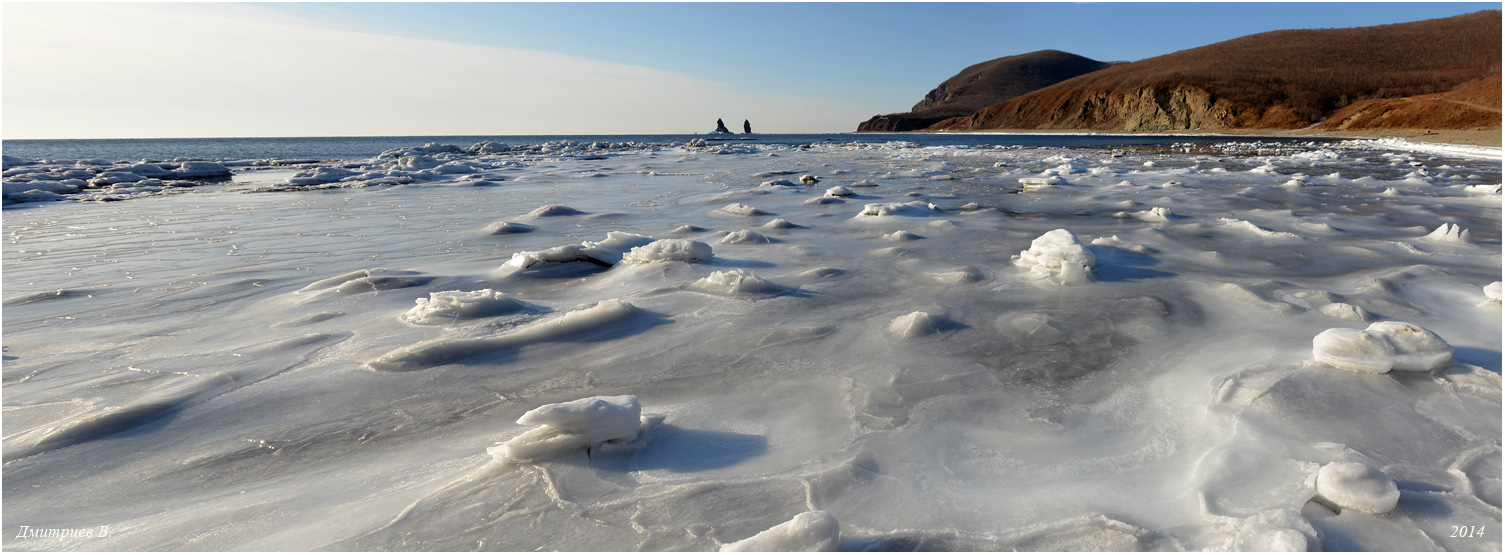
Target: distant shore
point(1475, 137)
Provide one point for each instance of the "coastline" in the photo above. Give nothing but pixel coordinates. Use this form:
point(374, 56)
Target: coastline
point(1469, 137)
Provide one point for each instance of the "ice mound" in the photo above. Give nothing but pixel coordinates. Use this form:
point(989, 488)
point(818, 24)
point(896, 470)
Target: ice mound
point(824, 200)
point(745, 237)
point(1033, 183)
point(548, 210)
point(567, 426)
point(111, 178)
point(1057, 255)
point(1155, 215)
point(1345, 311)
point(958, 275)
point(809, 179)
point(1449, 233)
point(1492, 293)
point(505, 228)
point(445, 350)
point(562, 255)
point(865, 183)
point(811, 531)
point(443, 307)
point(200, 170)
point(1382, 347)
point(1486, 189)
point(838, 191)
point(739, 209)
point(669, 250)
point(363, 281)
point(1350, 485)
point(320, 175)
point(1117, 243)
point(1249, 228)
point(902, 236)
point(916, 324)
point(781, 223)
point(1282, 530)
point(779, 183)
point(820, 273)
point(912, 208)
point(687, 229)
point(603, 253)
point(734, 283)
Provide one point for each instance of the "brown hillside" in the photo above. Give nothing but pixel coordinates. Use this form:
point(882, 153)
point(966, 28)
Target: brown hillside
point(1472, 105)
point(1280, 79)
point(981, 85)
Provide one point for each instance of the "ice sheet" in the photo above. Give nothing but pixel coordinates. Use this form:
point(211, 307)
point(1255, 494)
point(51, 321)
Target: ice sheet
point(958, 348)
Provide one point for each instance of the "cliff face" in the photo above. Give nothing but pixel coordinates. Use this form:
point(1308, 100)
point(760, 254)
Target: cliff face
point(984, 84)
point(1354, 77)
point(1162, 106)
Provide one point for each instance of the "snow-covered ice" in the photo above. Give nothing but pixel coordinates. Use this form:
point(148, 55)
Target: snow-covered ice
point(593, 346)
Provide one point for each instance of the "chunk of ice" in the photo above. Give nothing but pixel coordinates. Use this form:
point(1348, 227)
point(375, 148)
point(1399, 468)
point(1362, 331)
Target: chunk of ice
point(734, 283)
point(442, 307)
point(811, 531)
point(1351, 485)
point(1382, 347)
point(1449, 233)
point(573, 425)
point(745, 237)
point(1057, 255)
point(669, 250)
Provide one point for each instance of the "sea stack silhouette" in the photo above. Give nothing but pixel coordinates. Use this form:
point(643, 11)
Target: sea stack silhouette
point(721, 127)
point(746, 127)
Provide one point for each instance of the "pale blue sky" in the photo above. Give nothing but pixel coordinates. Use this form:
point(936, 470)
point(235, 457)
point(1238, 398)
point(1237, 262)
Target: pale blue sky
point(300, 69)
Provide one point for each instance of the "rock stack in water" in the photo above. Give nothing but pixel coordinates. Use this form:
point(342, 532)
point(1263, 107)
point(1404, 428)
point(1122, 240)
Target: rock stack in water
point(721, 127)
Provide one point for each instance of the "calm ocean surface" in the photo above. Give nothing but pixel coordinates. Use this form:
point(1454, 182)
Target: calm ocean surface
point(343, 148)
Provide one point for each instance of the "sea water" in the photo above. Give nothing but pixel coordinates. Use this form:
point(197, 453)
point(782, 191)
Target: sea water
point(859, 343)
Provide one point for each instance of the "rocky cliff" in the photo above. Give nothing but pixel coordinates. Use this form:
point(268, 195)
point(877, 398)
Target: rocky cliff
point(1278, 80)
point(984, 84)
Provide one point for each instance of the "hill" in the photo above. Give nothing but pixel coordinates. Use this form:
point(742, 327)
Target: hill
point(984, 84)
point(1281, 80)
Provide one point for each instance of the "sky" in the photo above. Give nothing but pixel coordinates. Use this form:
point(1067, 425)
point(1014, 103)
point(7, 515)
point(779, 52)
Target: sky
point(138, 70)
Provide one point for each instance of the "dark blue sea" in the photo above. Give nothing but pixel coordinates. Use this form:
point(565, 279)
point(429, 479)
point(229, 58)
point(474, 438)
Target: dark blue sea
point(347, 148)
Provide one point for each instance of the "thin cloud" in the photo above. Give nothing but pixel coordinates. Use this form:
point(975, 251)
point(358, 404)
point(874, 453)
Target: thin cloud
point(133, 70)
